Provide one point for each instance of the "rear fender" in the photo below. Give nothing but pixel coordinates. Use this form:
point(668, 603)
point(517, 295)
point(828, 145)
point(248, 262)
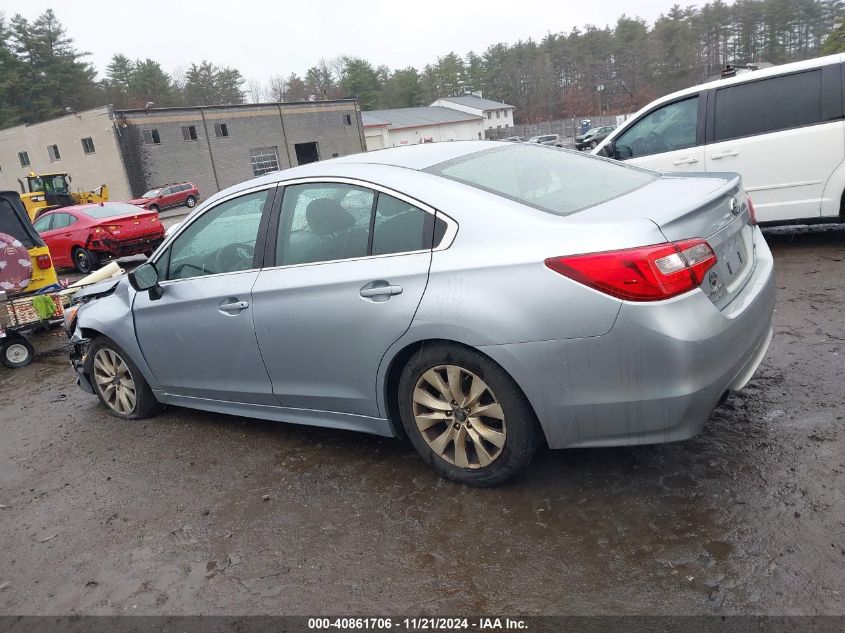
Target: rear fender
point(833, 198)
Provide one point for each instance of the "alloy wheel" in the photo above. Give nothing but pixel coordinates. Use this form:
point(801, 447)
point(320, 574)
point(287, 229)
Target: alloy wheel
point(459, 416)
point(114, 381)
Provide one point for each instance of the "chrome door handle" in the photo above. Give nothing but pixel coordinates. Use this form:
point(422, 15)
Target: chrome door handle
point(685, 161)
point(380, 291)
point(235, 306)
point(725, 154)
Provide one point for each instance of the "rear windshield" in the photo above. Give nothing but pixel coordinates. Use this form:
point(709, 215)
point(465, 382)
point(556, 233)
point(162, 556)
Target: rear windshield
point(112, 210)
point(548, 179)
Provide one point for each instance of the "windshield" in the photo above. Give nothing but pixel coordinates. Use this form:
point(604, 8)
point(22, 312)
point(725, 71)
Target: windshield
point(552, 180)
point(152, 193)
point(50, 185)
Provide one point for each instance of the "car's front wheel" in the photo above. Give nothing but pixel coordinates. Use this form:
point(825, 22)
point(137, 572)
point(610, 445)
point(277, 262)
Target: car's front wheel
point(118, 382)
point(466, 416)
point(594, 145)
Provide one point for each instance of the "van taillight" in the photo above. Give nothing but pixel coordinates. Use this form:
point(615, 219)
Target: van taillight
point(43, 261)
point(647, 273)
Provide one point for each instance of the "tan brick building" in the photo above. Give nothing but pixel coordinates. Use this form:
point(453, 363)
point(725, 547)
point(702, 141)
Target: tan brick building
point(214, 147)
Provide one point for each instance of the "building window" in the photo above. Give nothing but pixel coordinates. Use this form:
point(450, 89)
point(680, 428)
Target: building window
point(489, 114)
point(151, 137)
point(498, 114)
point(348, 119)
point(189, 132)
point(479, 136)
point(53, 151)
point(221, 129)
point(23, 157)
point(264, 160)
point(88, 145)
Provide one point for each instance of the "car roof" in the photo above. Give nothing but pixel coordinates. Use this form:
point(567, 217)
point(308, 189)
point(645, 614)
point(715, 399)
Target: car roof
point(80, 208)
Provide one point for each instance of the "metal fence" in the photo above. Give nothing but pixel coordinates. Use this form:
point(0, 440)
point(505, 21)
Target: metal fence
point(566, 128)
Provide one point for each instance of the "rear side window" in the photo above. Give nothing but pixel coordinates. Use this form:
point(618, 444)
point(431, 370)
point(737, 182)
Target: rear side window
point(551, 180)
point(768, 105)
point(400, 227)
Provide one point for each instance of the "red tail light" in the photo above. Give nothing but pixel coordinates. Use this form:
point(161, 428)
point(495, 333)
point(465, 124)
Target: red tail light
point(751, 210)
point(43, 261)
point(648, 273)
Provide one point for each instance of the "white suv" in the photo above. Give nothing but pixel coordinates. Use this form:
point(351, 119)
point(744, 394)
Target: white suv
point(782, 129)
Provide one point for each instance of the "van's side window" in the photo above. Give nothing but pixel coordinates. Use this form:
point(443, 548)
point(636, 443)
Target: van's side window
point(666, 129)
point(758, 107)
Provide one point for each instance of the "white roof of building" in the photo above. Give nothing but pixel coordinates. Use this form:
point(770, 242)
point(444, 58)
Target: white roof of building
point(415, 117)
point(477, 102)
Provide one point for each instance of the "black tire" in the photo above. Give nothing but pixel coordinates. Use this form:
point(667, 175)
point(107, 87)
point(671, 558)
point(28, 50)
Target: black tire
point(145, 404)
point(16, 351)
point(190, 202)
point(154, 207)
point(594, 145)
point(84, 260)
point(522, 437)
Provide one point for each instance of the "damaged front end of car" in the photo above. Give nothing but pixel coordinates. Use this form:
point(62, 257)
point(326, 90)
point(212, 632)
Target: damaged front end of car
point(79, 340)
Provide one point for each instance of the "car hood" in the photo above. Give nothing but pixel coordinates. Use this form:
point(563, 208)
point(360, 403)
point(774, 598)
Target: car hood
point(98, 289)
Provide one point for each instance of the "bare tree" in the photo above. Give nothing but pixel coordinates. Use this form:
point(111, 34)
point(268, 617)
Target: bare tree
point(256, 91)
point(277, 88)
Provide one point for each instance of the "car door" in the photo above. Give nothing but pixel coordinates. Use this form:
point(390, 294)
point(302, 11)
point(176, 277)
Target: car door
point(198, 336)
point(166, 198)
point(667, 138)
point(56, 234)
point(351, 265)
point(779, 133)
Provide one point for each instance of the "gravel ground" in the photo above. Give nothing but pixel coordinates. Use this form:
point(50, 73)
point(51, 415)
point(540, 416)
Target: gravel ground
point(201, 513)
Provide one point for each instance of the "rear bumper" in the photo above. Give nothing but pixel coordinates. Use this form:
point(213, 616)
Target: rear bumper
point(137, 246)
point(656, 376)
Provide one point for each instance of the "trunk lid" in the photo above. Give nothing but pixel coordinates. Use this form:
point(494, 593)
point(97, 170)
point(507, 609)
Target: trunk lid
point(709, 206)
point(134, 225)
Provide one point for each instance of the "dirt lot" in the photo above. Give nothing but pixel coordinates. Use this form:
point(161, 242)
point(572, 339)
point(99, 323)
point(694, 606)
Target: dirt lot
point(201, 513)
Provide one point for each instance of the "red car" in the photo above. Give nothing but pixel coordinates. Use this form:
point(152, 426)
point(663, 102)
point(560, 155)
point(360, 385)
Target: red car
point(166, 196)
point(82, 236)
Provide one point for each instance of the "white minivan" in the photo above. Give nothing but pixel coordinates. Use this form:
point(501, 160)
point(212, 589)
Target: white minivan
point(781, 128)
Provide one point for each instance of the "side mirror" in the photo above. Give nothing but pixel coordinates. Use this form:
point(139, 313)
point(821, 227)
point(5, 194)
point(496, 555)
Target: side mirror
point(145, 277)
point(622, 152)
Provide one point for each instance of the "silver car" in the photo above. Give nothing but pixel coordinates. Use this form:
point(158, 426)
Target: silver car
point(481, 298)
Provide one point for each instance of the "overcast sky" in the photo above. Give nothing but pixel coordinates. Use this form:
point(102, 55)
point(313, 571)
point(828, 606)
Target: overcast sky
point(262, 38)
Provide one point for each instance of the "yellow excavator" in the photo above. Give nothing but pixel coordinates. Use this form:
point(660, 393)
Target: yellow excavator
point(51, 191)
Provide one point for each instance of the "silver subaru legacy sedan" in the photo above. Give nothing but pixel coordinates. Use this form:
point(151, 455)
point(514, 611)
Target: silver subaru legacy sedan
point(481, 298)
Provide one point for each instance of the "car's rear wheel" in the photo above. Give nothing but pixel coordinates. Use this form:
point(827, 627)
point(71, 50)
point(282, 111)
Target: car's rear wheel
point(16, 351)
point(84, 260)
point(466, 416)
point(190, 201)
point(118, 382)
point(154, 207)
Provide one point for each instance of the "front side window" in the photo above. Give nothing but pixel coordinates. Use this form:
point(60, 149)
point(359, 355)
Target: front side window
point(43, 224)
point(221, 240)
point(666, 129)
point(768, 105)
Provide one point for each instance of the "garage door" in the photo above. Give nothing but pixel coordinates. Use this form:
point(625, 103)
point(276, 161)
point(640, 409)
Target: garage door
point(374, 142)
